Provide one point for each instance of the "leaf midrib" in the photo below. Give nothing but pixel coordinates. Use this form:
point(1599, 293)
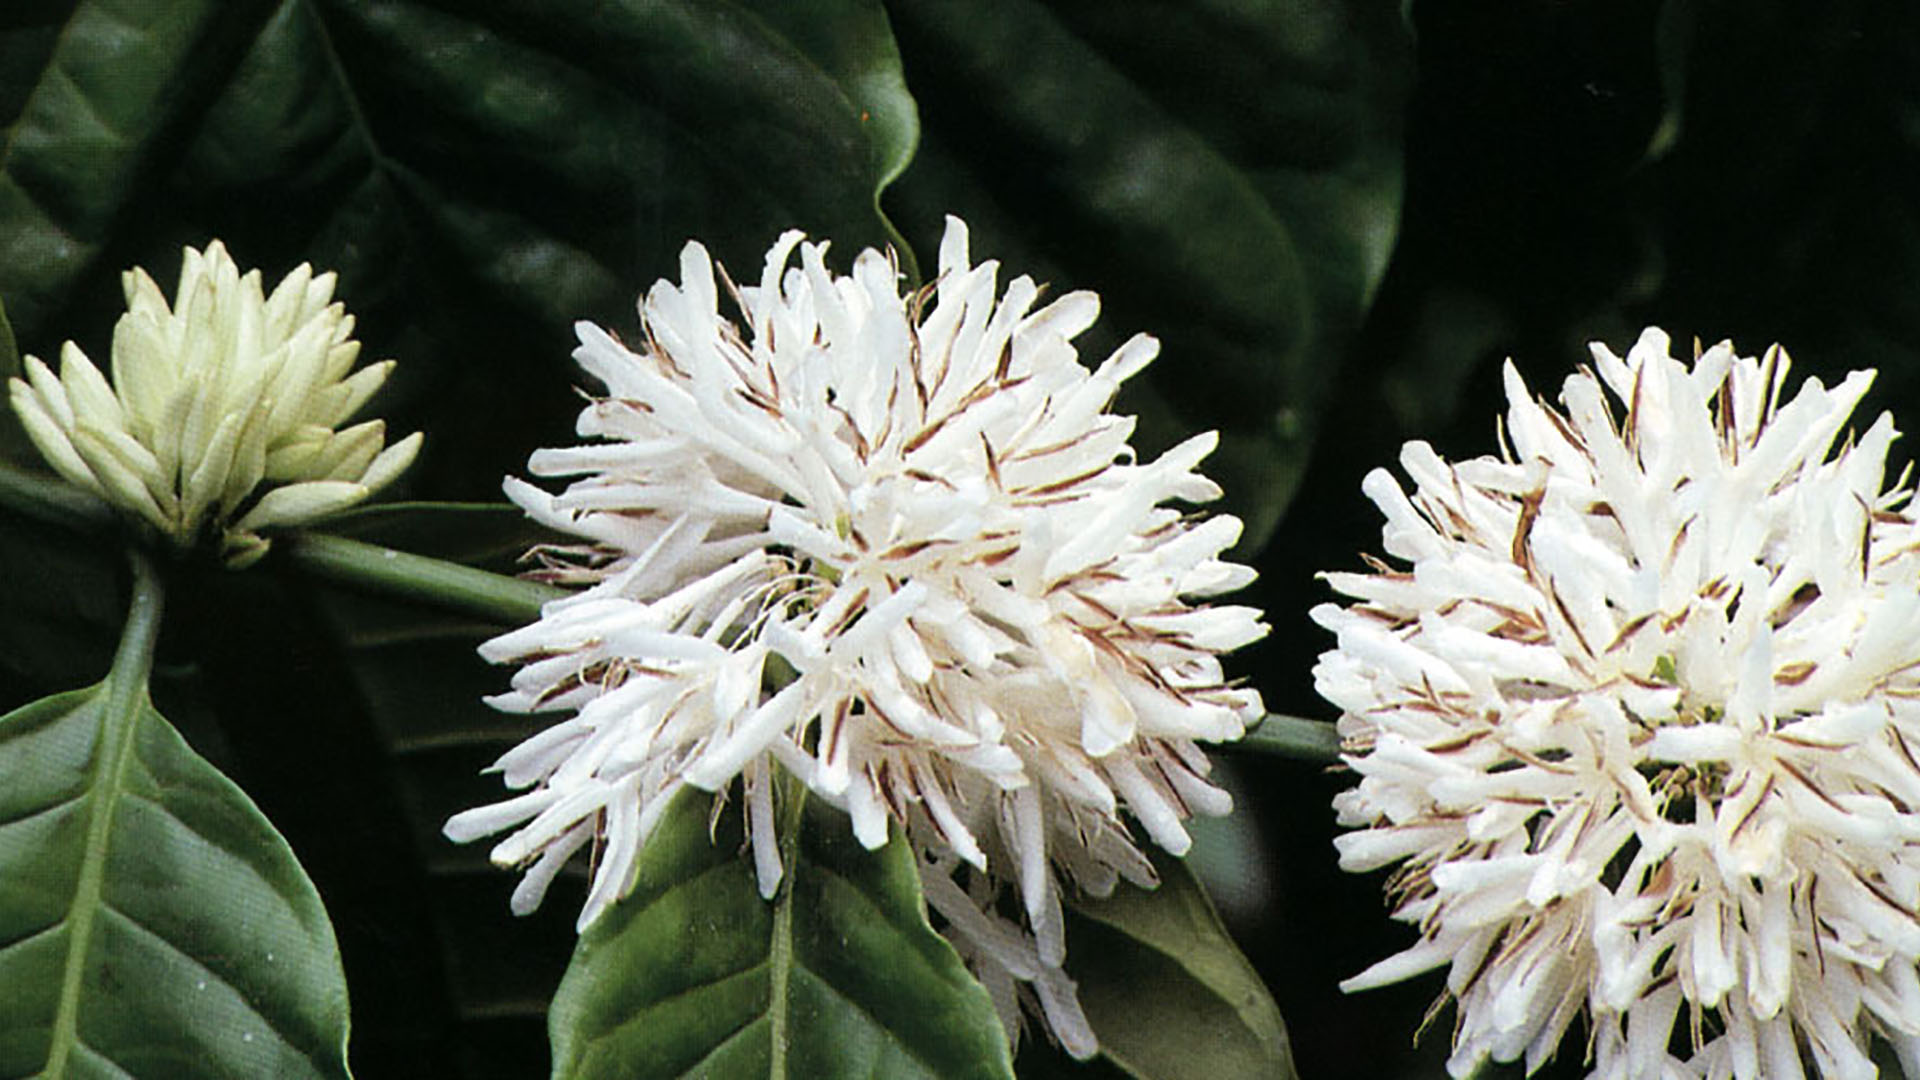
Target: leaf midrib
point(781, 966)
point(122, 700)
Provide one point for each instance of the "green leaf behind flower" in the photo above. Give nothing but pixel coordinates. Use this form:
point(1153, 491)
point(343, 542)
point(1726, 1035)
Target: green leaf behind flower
point(152, 922)
point(61, 612)
point(97, 95)
point(1154, 961)
point(1226, 175)
point(840, 975)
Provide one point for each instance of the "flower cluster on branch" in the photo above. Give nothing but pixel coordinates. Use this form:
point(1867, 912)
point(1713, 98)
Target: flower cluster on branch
point(222, 411)
point(1633, 714)
point(894, 544)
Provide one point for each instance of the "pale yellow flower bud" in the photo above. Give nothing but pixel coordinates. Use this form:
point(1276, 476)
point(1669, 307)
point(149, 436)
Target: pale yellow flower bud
point(223, 392)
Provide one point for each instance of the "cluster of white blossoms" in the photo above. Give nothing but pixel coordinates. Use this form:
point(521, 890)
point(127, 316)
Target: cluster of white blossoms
point(894, 545)
point(213, 396)
point(1638, 724)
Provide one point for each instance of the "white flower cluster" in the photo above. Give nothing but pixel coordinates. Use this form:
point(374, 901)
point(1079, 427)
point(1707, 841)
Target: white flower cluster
point(895, 545)
point(213, 395)
point(1638, 723)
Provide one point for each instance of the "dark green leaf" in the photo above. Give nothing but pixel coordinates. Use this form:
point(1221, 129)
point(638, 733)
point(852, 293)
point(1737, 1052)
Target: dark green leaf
point(119, 81)
point(1226, 175)
point(152, 922)
point(377, 734)
point(860, 54)
point(1167, 991)
point(840, 975)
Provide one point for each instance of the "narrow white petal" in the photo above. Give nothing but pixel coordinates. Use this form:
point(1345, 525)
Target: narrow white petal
point(297, 504)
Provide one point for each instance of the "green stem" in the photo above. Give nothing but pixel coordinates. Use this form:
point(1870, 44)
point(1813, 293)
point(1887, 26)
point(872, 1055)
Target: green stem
point(1292, 737)
point(386, 572)
point(122, 705)
point(375, 569)
point(51, 500)
point(133, 660)
point(792, 807)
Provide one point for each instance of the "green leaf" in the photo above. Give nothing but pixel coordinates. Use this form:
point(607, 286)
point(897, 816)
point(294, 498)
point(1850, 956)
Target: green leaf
point(458, 986)
point(840, 975)
point(378, 735)
point(117, 83)
point(1226, 175)
point(153, 922)
point(1168, 993)
point(860, 55)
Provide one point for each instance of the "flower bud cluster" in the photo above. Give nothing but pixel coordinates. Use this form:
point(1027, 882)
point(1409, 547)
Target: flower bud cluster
point(224, 411)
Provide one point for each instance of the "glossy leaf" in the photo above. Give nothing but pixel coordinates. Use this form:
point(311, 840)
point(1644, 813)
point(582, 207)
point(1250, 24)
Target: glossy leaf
point(1154, 962)
point(840, 975)
point(152, 922)
point(117, 81)
point(1226, 175)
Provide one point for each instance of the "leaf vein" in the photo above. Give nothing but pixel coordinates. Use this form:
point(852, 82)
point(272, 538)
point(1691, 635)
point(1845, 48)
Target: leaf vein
point(22, 940)
point(93, 112)
point(226, 849)
point(732, 1037)
point(42, 811)
point(130, 920)
point(99, 1060)
point(886, 1032)
point(642, 1012)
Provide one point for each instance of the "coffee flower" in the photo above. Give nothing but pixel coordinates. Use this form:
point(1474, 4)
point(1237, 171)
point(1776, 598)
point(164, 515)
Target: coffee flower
point(894, 545)
point(222, 412)
point(1637, 722)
